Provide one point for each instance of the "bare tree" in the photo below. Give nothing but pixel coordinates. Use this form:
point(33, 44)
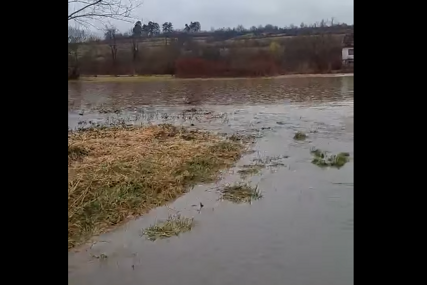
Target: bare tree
point(240, 28)
point(136, 36)
point(111, 38)
point(75, 38)
point(82, 11)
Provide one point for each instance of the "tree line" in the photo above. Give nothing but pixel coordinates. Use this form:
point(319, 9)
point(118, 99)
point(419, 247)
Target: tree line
point(153, 29)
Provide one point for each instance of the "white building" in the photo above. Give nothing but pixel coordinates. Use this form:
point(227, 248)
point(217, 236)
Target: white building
point(348, 55)
point(348, 49)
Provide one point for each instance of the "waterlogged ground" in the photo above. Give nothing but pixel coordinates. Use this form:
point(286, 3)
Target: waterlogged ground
point(299, 233)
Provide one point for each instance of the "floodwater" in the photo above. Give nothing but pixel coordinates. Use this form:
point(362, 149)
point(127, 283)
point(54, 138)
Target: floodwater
point(299, 233)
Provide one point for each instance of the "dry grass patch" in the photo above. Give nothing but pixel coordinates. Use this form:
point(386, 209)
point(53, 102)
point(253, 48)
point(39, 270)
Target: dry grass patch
point(76, 152)
point(125, 172)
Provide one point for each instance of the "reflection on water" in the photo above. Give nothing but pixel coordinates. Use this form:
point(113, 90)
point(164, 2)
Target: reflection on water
point(300, 233)
point(85, 95)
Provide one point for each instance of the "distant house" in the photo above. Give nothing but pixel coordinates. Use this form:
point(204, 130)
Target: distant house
point(348, 49)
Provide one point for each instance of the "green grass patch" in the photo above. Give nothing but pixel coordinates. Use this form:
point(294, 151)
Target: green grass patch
point(325, 159)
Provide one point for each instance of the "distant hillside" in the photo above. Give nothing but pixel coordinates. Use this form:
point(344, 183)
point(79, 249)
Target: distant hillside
point(229, 36)
point(247, 41)
point(228, 52)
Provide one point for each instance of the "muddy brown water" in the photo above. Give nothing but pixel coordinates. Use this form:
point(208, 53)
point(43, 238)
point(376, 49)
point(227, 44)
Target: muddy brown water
point(299, 233)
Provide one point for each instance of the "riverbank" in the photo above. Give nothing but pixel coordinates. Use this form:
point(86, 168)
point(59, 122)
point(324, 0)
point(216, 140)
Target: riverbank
point(118, 173)
point(128, 78)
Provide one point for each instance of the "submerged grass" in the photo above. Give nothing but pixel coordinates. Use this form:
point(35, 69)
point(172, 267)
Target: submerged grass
point(173, 226)
point(126, 171)
point(250, 169)
point(241, 193)
point(324, 159)
point(300, 136)
point(272, 161)
point(127, 78)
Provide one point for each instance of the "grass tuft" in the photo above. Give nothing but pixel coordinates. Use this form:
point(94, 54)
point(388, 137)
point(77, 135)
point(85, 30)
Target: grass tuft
point(300, 136)
point(241, 193)
point(173, 226)
point(250, 169)
point(324, 159)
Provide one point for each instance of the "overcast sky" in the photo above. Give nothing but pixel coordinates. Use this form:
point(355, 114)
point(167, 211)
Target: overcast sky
point(230, 13)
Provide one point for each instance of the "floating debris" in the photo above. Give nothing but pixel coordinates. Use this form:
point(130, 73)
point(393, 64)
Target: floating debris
point(101, 256)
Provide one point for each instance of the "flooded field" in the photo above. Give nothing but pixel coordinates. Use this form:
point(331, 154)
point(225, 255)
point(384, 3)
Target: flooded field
point(299, 233)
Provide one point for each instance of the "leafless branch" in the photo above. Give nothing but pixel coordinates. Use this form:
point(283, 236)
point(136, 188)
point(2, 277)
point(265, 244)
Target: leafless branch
point(99, 9)
point(86, 6)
